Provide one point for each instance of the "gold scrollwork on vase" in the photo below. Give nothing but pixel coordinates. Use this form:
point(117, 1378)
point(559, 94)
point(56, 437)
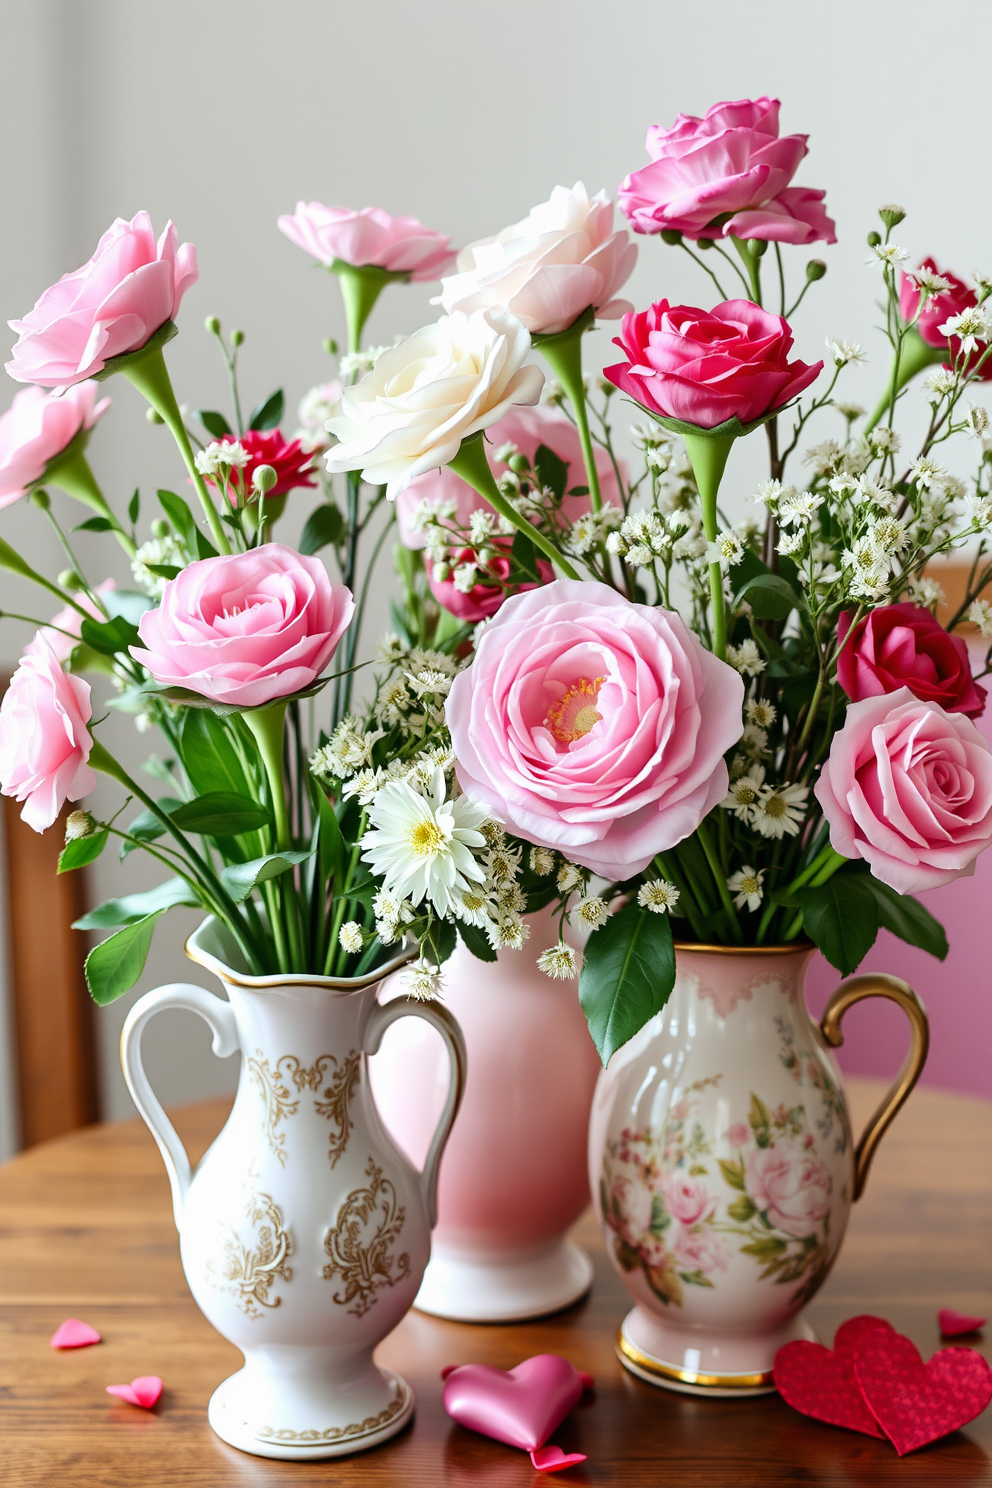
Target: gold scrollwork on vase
point(338, 1433)
point(249, 1271)
point(369, 1222)
point(278, 1100)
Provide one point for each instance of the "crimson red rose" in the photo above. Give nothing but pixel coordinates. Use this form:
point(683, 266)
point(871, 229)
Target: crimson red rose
point(707, 366)
point(937, 312)
point(902, 645)
point(482, 600)
point(291, 462)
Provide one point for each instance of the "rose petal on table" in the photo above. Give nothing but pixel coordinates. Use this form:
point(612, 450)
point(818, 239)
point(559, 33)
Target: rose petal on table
point(553, 1459)
point(143, 1391)
point(954, 1324)
point(74, 1334)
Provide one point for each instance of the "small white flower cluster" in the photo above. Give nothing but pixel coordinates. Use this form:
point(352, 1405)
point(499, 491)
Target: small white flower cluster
point(355, 364)
point(644, 537)
point(592, 529)
point(164, 551)
point(746, 885)
point(771, 810)
point(980, 614)
point(746, 658)
point(973, 328)
point(316, 407)
point(348, 749)
point(221, 457)
point(411, 698)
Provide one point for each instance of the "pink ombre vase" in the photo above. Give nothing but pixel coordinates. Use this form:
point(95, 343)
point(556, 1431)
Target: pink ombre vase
point(513, 1178)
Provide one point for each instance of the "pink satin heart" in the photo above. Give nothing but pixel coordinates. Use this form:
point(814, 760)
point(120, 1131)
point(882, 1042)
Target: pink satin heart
point(955, 1324)
point(74, 1334)
point(143, 1391)
point(521, 1407)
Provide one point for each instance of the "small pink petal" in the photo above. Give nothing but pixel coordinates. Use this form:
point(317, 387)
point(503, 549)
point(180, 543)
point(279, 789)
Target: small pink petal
point(955, 1324)
point(553, 1459)
point(74, 1334)
point(449, 1369)
point(143, 1391)
point(587, 1380)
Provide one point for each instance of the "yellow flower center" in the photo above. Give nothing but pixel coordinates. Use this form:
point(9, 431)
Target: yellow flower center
point(426, 838)
point(574, 714)
point(775, 807)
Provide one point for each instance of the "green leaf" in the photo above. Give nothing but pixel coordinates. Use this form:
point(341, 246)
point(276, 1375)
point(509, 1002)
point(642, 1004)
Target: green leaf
point(94, 524)
point(82, 850)
point(628, 973)
point(324, 525)
point(126, 604)
point(476, 941)
point(769, 596)
point(906, 917)
point(109, 637)
point(765, 1249)
point(842, 917)
point(440, 941)
point(759, 1117)
point(131, 908)
point(164, 570)
point(266, 415)
point(208, 754)
point(331, 845)
point(222, 814)
point(147, 827)
point(241, 878)
point(215, 423)
point(179, 514)
point(733, 1172)
point(742, 1209)
point(134, 507)
point(113, 967)
point(551, 470)
point(523, 561)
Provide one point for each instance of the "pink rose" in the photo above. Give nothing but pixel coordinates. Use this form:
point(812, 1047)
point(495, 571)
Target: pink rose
point(594, 725)
point(738, 1134)
point(908, 788)
point(687, 1199)
point(245, 629)
point(402, 245)
point(699, 1250)
point(483, 599)
point(69, 620)
point(527, 428)
point(732, 160)
point(290, 461)
point(937, 311)
point(44, 741)
point(36, 428)
point(788, 1184)
point(903, 645)
point(112, 305)
point(707, 366)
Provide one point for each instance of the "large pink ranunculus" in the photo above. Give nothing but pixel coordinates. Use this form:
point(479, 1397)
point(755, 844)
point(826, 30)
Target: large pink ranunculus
point(908, 788)
point(707, 366)
point(731, 161)
point(400, 244)
point(527, 429)
point(593, 725)
point(687, 1199)
point(904, 645)
point(938, 310)
point(44, 741)
point(790, 1184)
point(483, 599)
point(548, 268)
point(37, 427)
point(245, 629)
point(63, 632)
point(114, 304)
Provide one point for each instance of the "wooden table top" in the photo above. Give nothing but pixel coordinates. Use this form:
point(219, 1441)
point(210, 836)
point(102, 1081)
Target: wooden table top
point(86, 1231)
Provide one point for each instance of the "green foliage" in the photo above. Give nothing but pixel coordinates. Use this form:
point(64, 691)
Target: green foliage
point(628, 973)
point(551, 470)
point(134, 507)
point(325, 525)
point(113, 967)
point(523, 561)
point(82, 850)
point(109, 637)
point(222, 813)
point(742, 1209)
point(905, 917)
point(842, 917)
point(266, 415)
point(133, 907)
point(197, 544)
point(147, 827)
point(215, 423)
point(733, 1172)
point(476, 941)
point(209, 758)
point(240, 878)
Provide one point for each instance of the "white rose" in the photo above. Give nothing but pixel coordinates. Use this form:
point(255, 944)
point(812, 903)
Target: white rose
point(546, 270)
point(424, 396)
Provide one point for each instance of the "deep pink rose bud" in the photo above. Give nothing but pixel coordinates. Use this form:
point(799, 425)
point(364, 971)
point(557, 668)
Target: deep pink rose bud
point(402, 245)
point(37, 427)
point(483, 599)
point(245, 629)
point(937, 311)
point(902, 645)
point(290, 461)
point(707, 366)
point(44, 741)
point(734, 161)
point(112, 305)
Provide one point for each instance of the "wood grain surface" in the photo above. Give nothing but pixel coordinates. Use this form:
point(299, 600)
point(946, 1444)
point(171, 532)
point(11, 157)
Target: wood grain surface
point(86, 1231)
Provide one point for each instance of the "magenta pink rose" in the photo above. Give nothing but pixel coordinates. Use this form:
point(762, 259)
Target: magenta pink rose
point(731, 161)
point(908, 788)
point(400, 244)
point(593, 725)
point(483, 600)
point(707, 366)
point(937, 311)
point(44, 741)
point(114, 304)
point(687, 1199)
point(903, 645)
point(62, 635)
point(245, 629)
point(527, 429)
point(36, 428)
point(738, 1134)
point(699, 1250)
point(789, 1185)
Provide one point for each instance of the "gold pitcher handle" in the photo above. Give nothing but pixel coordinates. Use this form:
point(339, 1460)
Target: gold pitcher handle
point(855, 989)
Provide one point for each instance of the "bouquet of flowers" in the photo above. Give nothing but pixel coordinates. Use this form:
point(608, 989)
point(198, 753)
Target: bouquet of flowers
point(602, 693)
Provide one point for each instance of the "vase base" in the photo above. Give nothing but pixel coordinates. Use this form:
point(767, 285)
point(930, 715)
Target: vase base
point(504, 1290)
point(251, 1411)
point(649, 1349)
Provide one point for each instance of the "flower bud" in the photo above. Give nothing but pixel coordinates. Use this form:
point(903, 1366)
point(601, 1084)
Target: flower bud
point(160, 528)
point(237, 338)
point(79, 824)
point(704, 242)
point(264, 478)
point(441, 572)
point(815, 269)
point(757, 247)
point(212, 325)
point(153, 417)
point(874, 239)
point(70, 580)
point(891, 215)
point(671, 236)
point(486, 556)
point(519, 464)
point(42, 500)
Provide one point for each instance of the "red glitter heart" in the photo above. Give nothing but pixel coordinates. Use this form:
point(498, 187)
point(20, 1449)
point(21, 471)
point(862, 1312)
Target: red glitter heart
point(953, 1324)
point(916, 1403)
point(820, 1383)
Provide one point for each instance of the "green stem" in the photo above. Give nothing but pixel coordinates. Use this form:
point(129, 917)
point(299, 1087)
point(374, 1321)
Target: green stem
point(708, 455)
point(829, 868)
point(14, 563)
point(752, 263)
point(150, 376)
point(563, 353)
point(71, 473)
point(471, 464)
point(267, 725)
point(361, 285)
point(912, 355)
point(719, 878)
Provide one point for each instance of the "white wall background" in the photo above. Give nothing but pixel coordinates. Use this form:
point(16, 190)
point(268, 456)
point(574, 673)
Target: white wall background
point(463, 113)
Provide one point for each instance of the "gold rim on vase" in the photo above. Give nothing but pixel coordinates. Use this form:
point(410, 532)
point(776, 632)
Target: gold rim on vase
point(644, 1364)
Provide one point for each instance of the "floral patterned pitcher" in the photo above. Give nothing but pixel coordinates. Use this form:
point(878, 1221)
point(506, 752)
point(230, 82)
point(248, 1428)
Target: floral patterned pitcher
point(723, 1164)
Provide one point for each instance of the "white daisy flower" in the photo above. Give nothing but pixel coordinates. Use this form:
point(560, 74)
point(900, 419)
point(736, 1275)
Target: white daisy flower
point(421, 843)
point(659, 896)
point(350, 937)
point(780, 808)
point(589, 913)
point(746, 886)
point(423, 980)
point(744, 794)
point(558, 962)
point(746, 658)
point(542, 861)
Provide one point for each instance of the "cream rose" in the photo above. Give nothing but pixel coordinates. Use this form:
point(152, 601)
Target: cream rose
point(424, 396)
point(546, 270)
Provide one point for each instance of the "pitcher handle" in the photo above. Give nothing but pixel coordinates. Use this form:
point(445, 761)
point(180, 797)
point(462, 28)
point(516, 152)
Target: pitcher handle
point(220, 1016)
point(877, 984)
point(383, 1014)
